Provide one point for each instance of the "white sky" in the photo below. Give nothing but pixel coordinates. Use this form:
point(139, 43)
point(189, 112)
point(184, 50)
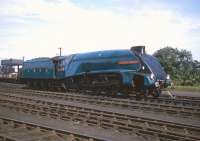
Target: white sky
point(36, 28)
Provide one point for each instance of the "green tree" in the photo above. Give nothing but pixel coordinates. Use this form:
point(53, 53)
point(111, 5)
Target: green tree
point(180, 65)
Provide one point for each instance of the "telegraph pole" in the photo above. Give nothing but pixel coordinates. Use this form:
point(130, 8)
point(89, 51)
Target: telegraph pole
point(60, 50)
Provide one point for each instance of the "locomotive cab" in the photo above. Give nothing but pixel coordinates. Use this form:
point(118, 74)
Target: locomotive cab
point(59, 64)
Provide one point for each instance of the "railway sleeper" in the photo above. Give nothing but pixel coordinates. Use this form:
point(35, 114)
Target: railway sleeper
point(91, 122)
point(107, 126)
point(163, 136)
point(123, 129)
point(177, 133)
point(65, 118)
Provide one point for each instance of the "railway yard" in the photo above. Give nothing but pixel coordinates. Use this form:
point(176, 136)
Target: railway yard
point(34, 115)
point(111, 70)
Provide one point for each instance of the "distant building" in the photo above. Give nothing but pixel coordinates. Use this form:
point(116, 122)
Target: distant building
point(10, 67)
point(11, 62)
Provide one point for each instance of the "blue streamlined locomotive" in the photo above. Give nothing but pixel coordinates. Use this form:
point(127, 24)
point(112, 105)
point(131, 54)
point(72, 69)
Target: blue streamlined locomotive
point(116, 71)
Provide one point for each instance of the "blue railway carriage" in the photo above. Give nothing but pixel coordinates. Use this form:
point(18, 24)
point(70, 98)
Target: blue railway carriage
point(115, 71)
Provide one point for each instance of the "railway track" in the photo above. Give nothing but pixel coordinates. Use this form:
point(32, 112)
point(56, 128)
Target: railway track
point(20, 86)
point(14, 130)
point(32, 102)
point(11, 85)
point(108, 120)
point(171, 109)
point(70, 95)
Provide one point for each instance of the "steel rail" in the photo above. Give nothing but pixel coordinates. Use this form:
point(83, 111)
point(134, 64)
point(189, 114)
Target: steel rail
point(92, 95)
point(178, 97)
point(123, 123)
point(172, 110)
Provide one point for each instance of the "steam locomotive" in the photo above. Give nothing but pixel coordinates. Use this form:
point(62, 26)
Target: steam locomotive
point(113, 71)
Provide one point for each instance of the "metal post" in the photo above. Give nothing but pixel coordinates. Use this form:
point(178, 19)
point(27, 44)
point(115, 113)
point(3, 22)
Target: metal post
point(60, 50)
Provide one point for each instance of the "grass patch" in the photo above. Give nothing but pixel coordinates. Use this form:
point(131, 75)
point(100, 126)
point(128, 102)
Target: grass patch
point(188, 88)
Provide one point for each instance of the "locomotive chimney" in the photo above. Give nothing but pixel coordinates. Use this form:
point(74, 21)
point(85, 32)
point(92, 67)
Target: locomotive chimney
point(140, 50)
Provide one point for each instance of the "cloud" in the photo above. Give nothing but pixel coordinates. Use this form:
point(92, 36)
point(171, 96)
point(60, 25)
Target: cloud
point(48, 25)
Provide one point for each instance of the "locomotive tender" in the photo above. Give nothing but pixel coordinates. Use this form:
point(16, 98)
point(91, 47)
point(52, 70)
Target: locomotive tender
point(116, 71)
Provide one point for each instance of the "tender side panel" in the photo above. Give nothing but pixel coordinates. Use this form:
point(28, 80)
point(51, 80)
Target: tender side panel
point(38, 69)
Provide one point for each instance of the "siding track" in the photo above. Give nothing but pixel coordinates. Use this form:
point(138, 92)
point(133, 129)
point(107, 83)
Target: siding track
point(171, 107)
point(104, 119)
point(159, 119)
